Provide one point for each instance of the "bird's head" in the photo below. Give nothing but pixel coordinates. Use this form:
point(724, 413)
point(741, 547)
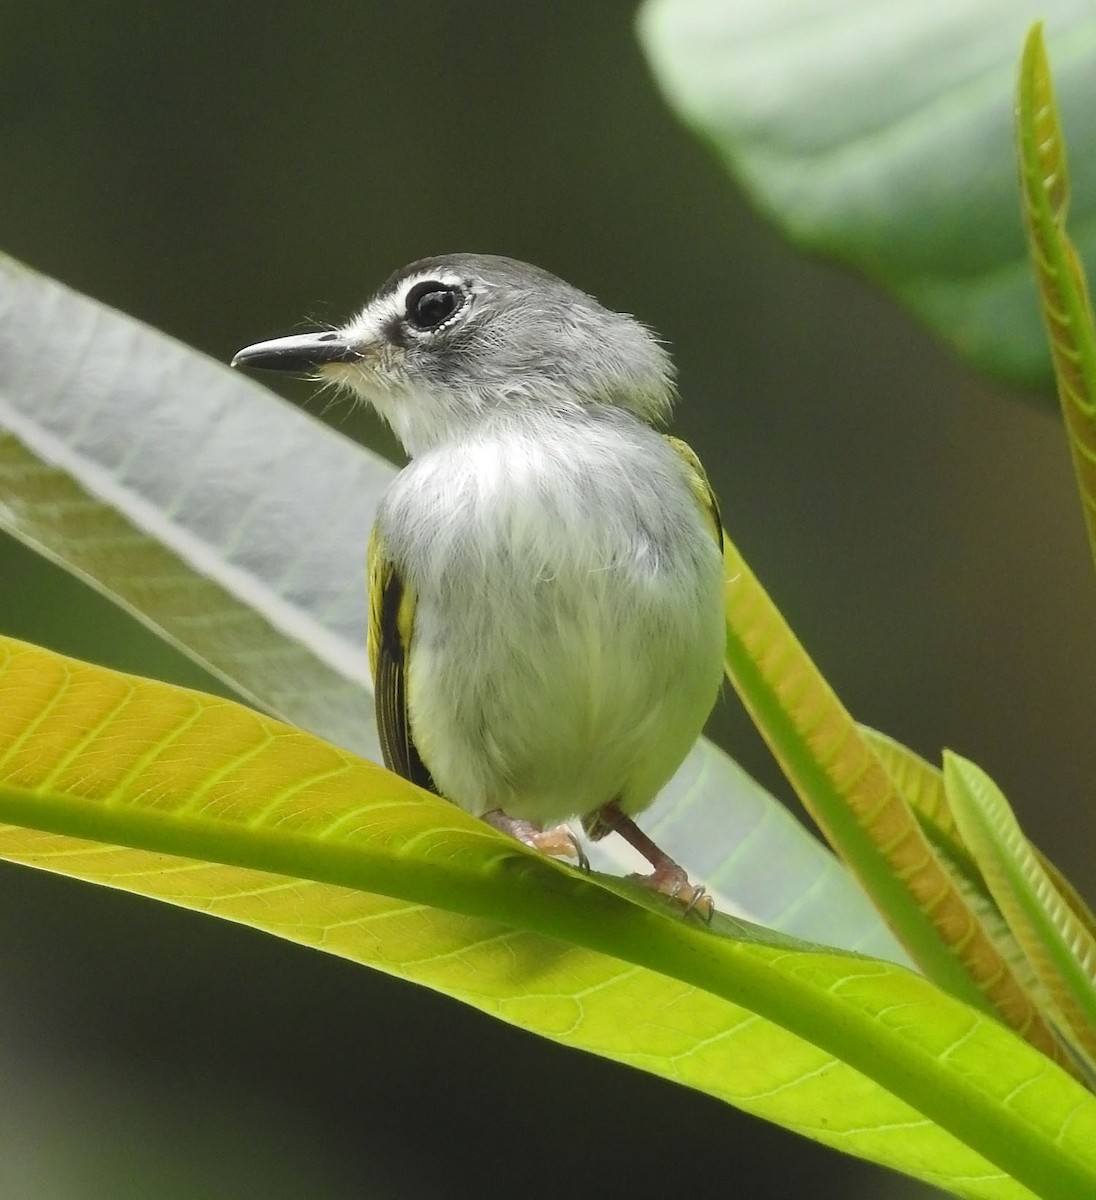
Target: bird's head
point(451, 341)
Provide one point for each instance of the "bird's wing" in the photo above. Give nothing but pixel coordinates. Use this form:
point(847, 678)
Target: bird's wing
point(699, 486)
point(391, 622)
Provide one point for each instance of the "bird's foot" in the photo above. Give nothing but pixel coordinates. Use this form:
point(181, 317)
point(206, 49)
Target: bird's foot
point(559, 841)
point(667, 878)
point(672, 881)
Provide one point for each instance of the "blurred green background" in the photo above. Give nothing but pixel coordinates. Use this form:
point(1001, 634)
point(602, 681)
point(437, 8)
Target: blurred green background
point(227, 172)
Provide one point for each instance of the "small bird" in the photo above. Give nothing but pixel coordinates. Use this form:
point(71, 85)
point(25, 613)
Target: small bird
point(546, 615)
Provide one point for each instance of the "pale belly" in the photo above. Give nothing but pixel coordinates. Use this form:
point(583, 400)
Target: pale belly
point(572, 657)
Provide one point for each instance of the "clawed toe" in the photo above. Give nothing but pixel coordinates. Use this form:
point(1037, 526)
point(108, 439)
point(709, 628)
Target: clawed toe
point(559, 841)
point(581, 860)
point(674, 883)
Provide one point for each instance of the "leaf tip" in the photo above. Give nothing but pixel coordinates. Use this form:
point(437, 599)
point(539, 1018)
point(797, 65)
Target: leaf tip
point(1034, 75)
point(1034, 43)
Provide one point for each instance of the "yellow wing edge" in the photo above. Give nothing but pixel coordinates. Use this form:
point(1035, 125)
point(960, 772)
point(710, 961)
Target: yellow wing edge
point(697, 479)
point(389, 636)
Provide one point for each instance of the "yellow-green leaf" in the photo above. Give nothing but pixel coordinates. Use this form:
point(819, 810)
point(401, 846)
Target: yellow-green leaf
point(849, 794)
point(922, 785)
point(1063, 291)
point(1060, 949)
point(207, 804)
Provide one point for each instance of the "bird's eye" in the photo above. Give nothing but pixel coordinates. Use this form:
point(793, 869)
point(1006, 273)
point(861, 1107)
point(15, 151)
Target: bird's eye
point(430, 303)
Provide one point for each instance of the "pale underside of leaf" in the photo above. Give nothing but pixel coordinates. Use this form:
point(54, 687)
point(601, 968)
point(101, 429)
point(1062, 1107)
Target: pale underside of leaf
point(218, 515)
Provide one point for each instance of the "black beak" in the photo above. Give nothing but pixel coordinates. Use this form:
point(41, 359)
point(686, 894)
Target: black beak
point(303, 352)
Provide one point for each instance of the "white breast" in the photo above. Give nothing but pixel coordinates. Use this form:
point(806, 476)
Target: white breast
point(568, 635)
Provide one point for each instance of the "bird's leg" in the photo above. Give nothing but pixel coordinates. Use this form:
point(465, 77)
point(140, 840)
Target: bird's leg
point(558, 841)
point(667, 878)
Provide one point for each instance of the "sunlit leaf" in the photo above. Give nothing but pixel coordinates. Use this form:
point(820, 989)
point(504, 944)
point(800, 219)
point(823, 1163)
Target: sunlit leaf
point(857, 1053)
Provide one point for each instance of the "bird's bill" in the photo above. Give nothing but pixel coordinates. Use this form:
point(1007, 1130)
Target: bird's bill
point(302, 352)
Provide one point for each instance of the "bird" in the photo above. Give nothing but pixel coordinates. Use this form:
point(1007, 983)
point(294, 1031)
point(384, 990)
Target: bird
point(545, 575)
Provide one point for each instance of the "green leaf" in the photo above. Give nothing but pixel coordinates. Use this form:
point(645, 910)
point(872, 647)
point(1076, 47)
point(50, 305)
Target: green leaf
point(332, 851)
point(1063, 290)
point(1060, 949)
point(235, 526)
point(844, 785)
point(922, 785)
point(880, 134)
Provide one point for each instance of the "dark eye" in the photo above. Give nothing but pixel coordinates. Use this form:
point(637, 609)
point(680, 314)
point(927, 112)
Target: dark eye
point(430, 303)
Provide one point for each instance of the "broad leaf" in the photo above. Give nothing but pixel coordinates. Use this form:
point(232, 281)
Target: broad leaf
point(330, 850)
point(881, 134)
point(235, 525)
point(227, 521)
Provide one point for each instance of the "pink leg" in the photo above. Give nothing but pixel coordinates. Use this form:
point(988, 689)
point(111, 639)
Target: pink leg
point(558, 841)
point(667, 877)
